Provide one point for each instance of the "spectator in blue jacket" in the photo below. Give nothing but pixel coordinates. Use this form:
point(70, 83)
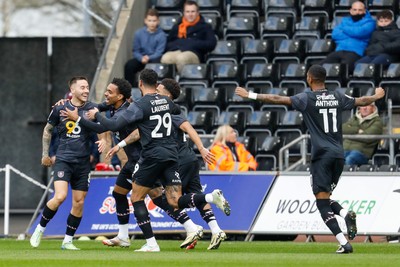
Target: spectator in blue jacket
point(351, 36)
point(384, 46)
point(190, 39)
point(148, 46)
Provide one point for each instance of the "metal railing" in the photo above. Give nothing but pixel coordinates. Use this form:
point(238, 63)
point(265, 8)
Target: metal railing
point(284, 151)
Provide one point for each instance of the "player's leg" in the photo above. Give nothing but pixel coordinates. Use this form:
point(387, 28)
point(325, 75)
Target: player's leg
point(193, 231)
point(191, 184)
point(145, 177)
point(61, 173)
point(80, 185)
point(349, 216)
point(321, 173)
point(121, 189)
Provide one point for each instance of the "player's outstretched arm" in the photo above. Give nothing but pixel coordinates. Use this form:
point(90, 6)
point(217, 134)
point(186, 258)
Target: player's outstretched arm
point(367, 100)
point(46, 139)
point(266, 98)
point(131, 138)
point(207, 156)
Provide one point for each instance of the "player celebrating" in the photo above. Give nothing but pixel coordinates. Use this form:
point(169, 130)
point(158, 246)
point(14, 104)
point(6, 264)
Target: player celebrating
point(72, 163)
point(322, 113)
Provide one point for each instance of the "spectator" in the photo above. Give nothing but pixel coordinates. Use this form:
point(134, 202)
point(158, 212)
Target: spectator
point(384, 46)
point(351, 36)
point(190, 39)
point(366, 121)
point(230, 154)
point(148, 46)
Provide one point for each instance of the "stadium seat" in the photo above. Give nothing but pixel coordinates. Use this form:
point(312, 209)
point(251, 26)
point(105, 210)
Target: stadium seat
point(167, 21)
point(213, 7)
point(366, 168)
point(277, 27)
point(216, 24)
point(244, 7)
point(318, 49)
point(213, 111)
point(192, 74)
point(387, 168)
point(169, 6)
point(337, 72)
point(206, 139)
point(349, 168)
point(261, 75)
point(318, 8)
point(294, 78)
point(241, 27)
point(266, 162)
point(225, 50)
point(310, 27)
point(375, 6)
point(270, 145)
point(201, 120)
point(262, 120)
point(163, 70)
point(236, 119)
point(205, 96)
point(256, 51)
point(227, 73)
point(368, 71)
point(282, 7)
point(288, 135)
point(289, 51)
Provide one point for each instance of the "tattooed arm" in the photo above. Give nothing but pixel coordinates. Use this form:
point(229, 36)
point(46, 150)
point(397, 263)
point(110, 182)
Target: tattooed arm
point(46, 139)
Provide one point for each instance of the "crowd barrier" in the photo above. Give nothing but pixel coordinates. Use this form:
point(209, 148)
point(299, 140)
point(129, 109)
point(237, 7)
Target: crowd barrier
point(261, 202)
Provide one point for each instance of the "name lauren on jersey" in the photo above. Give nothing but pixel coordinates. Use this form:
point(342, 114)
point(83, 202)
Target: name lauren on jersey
point(159, 108)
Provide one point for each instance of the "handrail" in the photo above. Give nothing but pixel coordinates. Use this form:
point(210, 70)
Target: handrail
point(306, 136)
point(102, 61)
point(85, 6)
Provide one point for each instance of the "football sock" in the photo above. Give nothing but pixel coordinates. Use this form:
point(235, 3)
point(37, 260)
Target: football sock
point(151, 241)
point(338, 209)
point(72, 224)
point(67, 239)
point(122, 204)
point(328, 216)
point(123, 231)
point(178, 215)
point(143, 219)
point(190, 226)
point(47, 215)
point(191, 201)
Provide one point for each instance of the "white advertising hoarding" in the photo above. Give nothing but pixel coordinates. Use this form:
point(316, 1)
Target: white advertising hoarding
point(290, 207)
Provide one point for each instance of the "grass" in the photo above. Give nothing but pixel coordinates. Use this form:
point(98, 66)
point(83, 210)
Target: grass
point(237, 253)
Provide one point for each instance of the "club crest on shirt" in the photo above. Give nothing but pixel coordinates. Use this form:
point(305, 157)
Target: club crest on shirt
point(60, 174)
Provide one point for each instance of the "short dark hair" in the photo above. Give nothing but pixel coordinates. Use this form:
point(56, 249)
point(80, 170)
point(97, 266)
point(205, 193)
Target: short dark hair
point(191, 3)
point(149, 77)
point(385, 14)
point(152, 12)
point(318, 73)
point(75, 79)
point(124, 87)
point(172, 87)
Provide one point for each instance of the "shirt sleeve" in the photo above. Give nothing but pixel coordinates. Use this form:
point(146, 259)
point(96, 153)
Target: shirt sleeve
point(129, 116)
point(299, 101)
point(347, 101)
point(54, 116)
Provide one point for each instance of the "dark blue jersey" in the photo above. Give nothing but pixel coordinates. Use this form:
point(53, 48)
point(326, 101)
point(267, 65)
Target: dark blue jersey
point(133, 150)
point(185, 153)
point(74, 139)
point(322, 113)
point(152, 115)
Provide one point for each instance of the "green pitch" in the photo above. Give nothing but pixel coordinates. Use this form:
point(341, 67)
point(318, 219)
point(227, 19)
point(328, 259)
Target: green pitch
point(257, 253)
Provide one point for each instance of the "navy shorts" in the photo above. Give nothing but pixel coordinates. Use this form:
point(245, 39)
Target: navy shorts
point(190, 177)
point(325, 174)
point(124, 178)
point(77, 174)
point(149, 171)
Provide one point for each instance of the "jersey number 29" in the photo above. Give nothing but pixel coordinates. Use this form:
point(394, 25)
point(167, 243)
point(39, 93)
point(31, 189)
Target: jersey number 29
point(165, 121)
point(333, 113)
